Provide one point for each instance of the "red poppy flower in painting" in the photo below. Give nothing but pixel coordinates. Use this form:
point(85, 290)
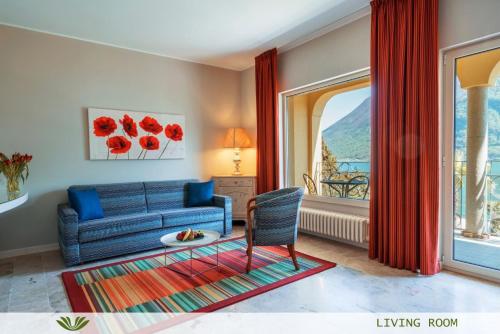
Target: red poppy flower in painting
point(174, 132)
point(119, 144)
point(104, 126)
point(149, 124)
point(149, 143)
point(129, 126)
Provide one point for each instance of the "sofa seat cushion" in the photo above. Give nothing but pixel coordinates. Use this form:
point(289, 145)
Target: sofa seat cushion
point(188, 216)
point(109, 227)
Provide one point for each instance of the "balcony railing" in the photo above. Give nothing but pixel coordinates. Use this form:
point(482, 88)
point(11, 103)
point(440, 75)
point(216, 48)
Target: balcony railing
point(492, 224)
point(346, 170)
point(348, 179)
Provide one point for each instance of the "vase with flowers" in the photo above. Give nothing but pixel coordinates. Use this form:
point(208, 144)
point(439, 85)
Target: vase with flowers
point(15, 169)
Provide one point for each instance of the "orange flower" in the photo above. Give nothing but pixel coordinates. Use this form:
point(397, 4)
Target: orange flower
point(174, 132)
point(149, 143)
point(119, 144)
point(129, 126)
point(104, 126)
point(149, 124)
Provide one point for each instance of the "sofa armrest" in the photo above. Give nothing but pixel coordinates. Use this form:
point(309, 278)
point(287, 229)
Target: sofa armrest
point(226, 203)
point(67, 224)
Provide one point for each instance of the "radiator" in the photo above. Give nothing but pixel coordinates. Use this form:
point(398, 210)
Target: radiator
point(338, 226)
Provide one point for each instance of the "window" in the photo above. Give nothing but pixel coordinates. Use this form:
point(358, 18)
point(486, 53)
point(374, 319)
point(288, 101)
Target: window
point(471, 158)
point(328, 140)
point(477, 159)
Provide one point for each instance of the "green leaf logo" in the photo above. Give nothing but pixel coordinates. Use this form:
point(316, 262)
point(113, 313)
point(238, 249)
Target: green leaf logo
point(80, 322)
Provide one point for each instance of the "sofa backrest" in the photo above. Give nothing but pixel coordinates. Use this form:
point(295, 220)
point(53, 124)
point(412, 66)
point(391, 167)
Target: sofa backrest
point(165, 195)
point(119, 198)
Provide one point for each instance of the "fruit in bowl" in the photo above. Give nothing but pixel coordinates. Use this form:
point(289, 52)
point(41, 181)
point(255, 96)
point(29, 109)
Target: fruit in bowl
point(189, 235)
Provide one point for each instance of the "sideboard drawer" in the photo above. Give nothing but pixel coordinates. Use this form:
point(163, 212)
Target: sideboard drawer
point(230, 191)
point(240, 189)
point(235, 182)
point(240, 200)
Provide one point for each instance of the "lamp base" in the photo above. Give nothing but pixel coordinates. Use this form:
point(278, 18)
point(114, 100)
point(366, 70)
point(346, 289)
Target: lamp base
point(236, 170)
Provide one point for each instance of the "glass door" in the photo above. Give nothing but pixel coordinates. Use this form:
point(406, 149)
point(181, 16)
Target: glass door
point(472, 159)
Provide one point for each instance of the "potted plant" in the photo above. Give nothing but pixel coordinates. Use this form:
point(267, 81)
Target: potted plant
point(14, 169)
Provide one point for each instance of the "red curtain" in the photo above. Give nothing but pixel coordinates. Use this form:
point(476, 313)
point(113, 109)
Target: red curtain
point(266, 85)
point(405, 127)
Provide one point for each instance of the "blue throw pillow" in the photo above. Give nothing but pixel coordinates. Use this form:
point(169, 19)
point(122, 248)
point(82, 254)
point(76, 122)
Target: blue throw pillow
point(86, 203)
point(200, 193)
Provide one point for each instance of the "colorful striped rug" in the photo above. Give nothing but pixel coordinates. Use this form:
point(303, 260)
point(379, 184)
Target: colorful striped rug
point(145, 285)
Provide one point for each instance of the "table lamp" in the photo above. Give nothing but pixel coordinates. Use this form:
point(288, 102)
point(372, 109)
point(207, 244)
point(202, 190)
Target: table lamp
point(236, 138)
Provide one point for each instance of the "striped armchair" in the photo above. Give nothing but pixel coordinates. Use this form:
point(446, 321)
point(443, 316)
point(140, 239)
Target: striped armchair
point(274, 221)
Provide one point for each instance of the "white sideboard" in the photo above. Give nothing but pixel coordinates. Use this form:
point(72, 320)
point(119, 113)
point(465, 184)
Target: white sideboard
point(239, 188)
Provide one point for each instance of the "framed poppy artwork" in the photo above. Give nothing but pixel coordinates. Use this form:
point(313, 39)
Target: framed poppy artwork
point(132, 135)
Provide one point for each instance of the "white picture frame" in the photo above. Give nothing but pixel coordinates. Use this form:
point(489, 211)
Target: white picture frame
point(133, 135)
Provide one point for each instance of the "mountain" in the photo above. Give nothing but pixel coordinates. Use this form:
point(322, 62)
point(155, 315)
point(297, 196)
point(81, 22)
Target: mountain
point(349, 138)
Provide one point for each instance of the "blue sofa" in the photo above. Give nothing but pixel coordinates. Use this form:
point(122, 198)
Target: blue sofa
point(136, 215)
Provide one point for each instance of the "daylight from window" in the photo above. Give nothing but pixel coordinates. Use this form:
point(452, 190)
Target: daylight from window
point(476, 232)
point(345, 145)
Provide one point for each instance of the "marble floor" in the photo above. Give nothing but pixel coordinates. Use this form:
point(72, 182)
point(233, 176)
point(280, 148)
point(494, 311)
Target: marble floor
point(32, 283)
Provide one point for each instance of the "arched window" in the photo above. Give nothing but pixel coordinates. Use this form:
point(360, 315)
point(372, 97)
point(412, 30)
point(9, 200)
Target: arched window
point(328, 140)
point(344, 129)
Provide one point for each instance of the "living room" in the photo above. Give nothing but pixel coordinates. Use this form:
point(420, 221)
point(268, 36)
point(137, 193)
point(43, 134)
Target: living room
point(249, 157)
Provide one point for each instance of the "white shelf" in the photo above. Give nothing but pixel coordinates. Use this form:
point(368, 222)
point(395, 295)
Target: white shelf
point(9, 205)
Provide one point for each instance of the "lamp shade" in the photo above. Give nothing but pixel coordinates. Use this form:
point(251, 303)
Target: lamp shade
point(237, 138)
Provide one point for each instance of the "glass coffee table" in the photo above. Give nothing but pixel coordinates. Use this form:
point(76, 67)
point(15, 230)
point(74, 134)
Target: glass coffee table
point(7, 204)
point(169, 240)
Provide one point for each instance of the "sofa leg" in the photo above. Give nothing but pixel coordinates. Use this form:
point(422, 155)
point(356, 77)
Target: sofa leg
point(291, 250)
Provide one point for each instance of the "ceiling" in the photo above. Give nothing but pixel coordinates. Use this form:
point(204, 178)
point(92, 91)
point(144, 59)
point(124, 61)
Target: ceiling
point(224, 33)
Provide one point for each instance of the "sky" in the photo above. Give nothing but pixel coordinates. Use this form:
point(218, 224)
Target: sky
point(342, 104)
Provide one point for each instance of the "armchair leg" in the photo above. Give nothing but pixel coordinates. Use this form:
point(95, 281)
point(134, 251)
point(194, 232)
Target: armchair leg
point(249, 254)
point(249, 233)
point(291, 250)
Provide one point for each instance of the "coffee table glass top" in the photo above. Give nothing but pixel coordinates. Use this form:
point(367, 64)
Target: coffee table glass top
point(170, 239)
point(4, 198)
point(7, 204)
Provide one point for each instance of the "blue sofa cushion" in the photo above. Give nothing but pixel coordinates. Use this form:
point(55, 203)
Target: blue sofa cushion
point(166, 195)
point(195, 215)
point(200, 193)
point(108, 227)
point(86, 203)
point(120, 198)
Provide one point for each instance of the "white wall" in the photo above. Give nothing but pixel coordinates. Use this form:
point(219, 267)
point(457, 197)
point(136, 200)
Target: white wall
point(248, 110)
point(464, 20)
point(343, 50)
point(46, 85)
point(347, 48)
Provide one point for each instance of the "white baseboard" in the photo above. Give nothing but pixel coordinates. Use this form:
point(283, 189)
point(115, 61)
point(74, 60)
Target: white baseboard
point(28, 250)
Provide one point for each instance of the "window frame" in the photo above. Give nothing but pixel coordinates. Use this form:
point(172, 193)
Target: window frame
point(323, 201)
point(447, 138)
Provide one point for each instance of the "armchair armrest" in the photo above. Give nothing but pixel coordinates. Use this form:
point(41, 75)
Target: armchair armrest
point(67, 224)
point(278, 200)
point(250, 201)
point(226, 203)
point(278, 206)
point(275, 194)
